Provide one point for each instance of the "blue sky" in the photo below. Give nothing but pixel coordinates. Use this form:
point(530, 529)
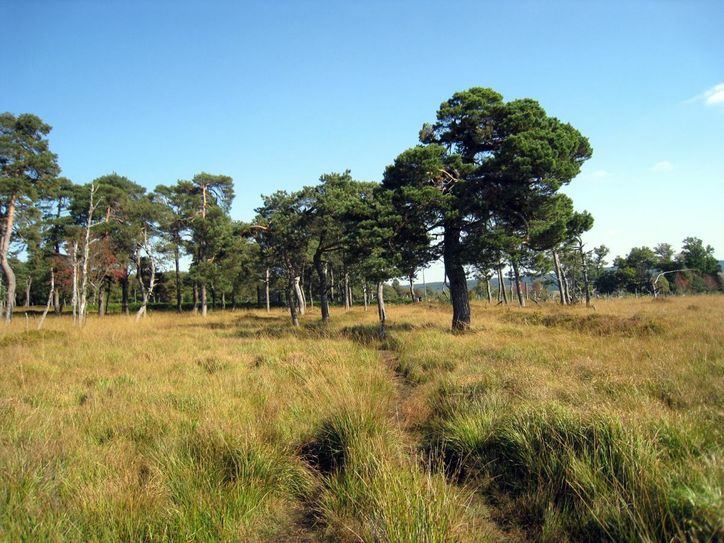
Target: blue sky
point(277, 93)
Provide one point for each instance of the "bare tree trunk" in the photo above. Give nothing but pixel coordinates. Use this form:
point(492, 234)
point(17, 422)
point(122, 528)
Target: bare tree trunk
point(291, 295)
point(586, 283)
point(299, 295)
point(501, 280)
point(50, 299)
point(311, 291)
point(412, 288)
point(559, 277)
point(74, 300)
point(103, 296)
point(331, 283)
point(223, 300)
point(125, 308)
point(321, 268)
point(266, 291)
point(196, 297)
point(381, 312)
point(83, 306)
point(204, 307)
point(487, 287)
point(458, 281)
point(146, 292)
point(57, 305)
point(424, 286)
point(7, 270)
point(28, 284)
point(518, 289)
point(177, 279)
point(346, 291)
point(365, 295)
point(566, 290)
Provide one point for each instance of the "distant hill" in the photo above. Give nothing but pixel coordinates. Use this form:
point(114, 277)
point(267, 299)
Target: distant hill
point(436, 286)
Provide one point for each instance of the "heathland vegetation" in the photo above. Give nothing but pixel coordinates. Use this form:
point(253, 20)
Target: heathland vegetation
point(546, 423)
point(576, 415)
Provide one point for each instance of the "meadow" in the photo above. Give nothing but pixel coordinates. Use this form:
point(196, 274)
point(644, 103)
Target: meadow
point(542, 423)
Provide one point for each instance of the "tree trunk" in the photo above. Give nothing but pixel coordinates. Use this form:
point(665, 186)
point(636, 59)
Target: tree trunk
point(346, 291)
point(125, 309)
point(487, 287)
point(291, 295)
point(365, 295)
point(103, 296)
point(412, 288)
point(501, 280)
point(74, 300)
point(223, 300)
point(424, 286)
point(321, 268)
point(266, 291)
point(381, 312)
point(7, 270)
point(518, 289)
point(331, 283)
point(177, 279)
point(57, 303)
point(559, 277)
point(196, 297)
point(586, 283)
point(146, 292)
point(83, 305)
point(204, 308)
point(566, 290)
point(51, 292)
point(299, 295)
point(458, 281)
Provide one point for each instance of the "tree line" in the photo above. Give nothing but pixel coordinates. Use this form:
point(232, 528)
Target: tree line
point(481, 191)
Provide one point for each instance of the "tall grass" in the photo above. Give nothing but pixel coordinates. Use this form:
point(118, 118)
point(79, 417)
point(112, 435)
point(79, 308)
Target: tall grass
point(539, 424)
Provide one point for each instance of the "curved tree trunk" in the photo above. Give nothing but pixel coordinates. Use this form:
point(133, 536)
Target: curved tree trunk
point(7, 270)
point(458, 281)
point(299, 295)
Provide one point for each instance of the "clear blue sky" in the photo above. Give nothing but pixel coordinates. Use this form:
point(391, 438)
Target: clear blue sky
point(276, 93)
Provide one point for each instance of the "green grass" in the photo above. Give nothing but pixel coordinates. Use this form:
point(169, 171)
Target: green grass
point(540, 424)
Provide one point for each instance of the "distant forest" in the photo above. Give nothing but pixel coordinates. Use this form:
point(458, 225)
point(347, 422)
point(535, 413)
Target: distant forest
point(481, 191)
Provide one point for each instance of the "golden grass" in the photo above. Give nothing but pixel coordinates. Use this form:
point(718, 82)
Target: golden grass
point(180, 428)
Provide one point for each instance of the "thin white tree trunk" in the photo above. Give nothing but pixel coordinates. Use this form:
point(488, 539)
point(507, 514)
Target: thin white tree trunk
point(74, 299)
point(50, 299)
point(83, 309)
point(146, 292)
